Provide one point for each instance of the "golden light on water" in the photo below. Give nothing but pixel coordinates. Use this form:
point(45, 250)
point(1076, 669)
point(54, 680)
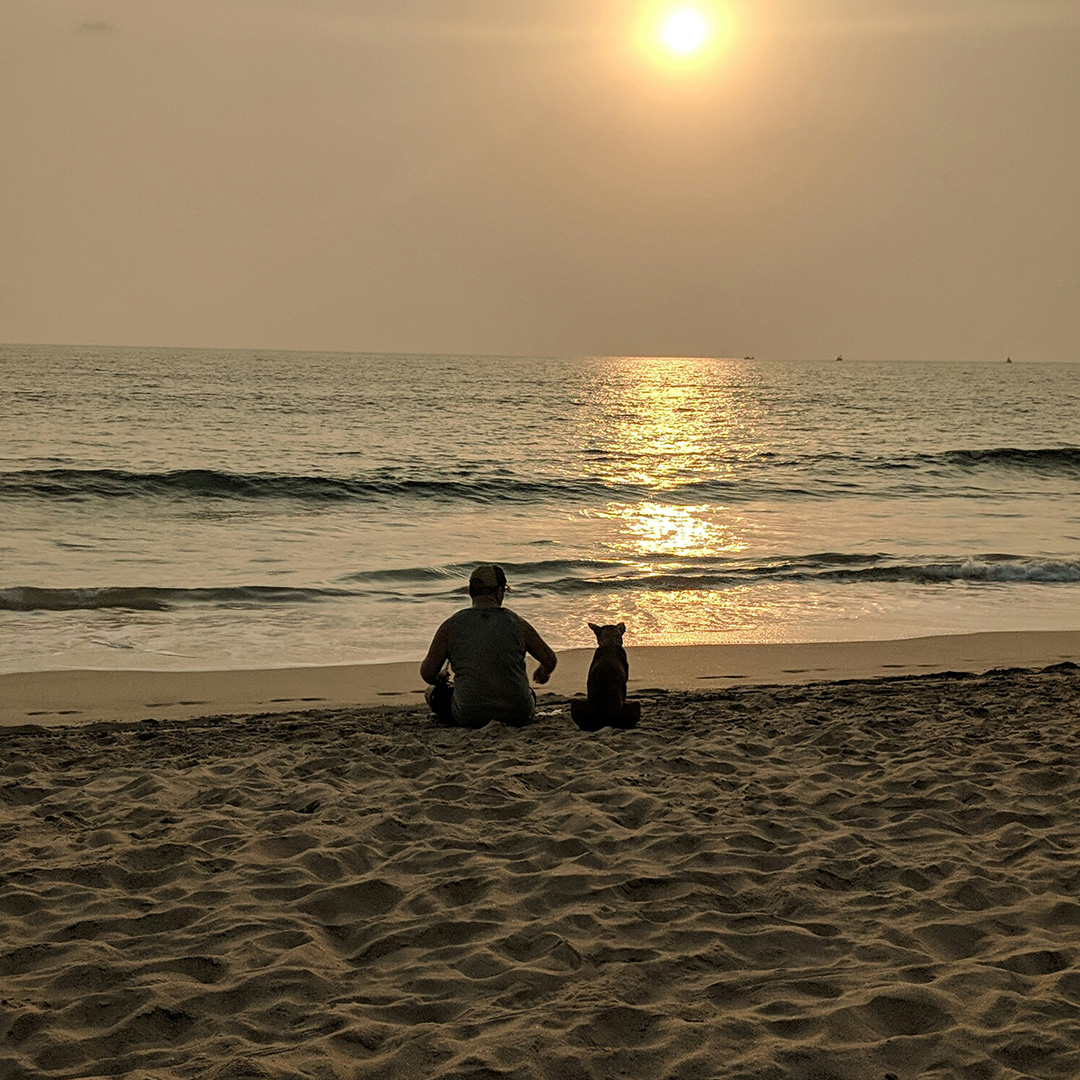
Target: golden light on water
point(671, 421)
point(686, 531)
point(667, 423)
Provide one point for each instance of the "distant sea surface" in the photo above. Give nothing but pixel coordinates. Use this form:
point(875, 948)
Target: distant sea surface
point(168, 508)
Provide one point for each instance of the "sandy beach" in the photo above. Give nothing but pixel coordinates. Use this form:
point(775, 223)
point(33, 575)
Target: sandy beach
point(93, 696)
point(853, 879)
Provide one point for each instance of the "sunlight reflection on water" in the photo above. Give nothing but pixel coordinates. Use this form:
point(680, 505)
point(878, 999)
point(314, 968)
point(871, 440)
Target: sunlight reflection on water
point(701, 500)
point(666, 423)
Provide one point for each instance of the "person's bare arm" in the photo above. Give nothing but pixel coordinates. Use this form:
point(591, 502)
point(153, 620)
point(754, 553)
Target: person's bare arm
point(540, 651)
point(437, 654)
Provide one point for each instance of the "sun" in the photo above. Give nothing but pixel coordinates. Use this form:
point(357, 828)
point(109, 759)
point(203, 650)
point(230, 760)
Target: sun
point(684, 37)
point(684, 31)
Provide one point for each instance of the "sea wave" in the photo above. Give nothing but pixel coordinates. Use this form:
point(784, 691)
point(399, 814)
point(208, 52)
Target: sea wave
point(946, 571)
point(1049, 458)
point(1059, 460)
point(571, 577)
point(216, 484)
point(458, 572)
point(764, 476)
point(661, 571)
point(475, 487)
point(150, 598)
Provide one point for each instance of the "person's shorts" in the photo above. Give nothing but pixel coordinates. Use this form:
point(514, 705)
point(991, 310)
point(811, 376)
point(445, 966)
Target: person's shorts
point(441, 699)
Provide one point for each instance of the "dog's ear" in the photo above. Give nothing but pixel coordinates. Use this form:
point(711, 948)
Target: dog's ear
point(621, 628)
point(594, 628)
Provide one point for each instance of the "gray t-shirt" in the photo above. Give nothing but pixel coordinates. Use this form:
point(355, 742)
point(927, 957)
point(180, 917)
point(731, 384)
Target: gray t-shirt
point(487, 654)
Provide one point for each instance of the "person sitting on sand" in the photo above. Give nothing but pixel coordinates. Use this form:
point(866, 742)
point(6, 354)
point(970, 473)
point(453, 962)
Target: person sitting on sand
point(486, 646)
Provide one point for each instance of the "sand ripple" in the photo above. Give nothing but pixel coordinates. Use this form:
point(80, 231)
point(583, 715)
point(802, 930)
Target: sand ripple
point(846, 881)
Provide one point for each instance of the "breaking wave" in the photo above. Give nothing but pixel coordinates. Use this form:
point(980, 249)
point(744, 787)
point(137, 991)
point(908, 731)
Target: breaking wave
point(724, 480)
point(568, 577)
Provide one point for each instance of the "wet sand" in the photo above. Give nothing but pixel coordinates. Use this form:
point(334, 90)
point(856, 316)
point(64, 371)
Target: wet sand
point(79, 697)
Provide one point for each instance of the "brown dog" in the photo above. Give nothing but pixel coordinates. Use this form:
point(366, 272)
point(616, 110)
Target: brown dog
point(605, 704)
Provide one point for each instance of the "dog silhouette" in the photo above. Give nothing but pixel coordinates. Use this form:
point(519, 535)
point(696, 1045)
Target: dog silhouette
point(605, 704)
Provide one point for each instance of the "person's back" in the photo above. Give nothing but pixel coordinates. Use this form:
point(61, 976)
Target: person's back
point(486, 646)
point(487, 654)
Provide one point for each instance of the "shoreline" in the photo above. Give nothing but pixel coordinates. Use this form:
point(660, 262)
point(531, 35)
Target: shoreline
point(80, 697)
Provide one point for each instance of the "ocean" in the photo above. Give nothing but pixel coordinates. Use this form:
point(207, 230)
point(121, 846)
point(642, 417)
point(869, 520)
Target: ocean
point(187, 508)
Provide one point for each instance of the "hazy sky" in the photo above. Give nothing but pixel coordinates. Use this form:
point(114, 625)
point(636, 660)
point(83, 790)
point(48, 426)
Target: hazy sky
point(882, 178)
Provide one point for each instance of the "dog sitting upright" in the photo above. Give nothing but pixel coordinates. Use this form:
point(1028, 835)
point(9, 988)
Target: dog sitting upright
point(605, 704)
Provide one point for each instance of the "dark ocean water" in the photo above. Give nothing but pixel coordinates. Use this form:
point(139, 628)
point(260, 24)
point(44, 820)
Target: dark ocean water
point(195, 508)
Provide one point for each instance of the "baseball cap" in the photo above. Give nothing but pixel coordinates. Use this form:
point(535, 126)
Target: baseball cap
point(488, 577)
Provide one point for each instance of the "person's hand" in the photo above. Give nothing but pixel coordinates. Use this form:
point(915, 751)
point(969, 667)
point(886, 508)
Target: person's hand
point(541, 675)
